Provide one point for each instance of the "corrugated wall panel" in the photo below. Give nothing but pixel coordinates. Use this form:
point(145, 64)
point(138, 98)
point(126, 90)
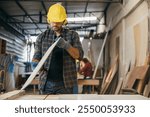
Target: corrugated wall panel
point(14, 45)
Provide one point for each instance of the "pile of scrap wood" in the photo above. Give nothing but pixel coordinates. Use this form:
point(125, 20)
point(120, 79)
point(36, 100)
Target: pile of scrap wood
point(108, 79)
point(137, 81)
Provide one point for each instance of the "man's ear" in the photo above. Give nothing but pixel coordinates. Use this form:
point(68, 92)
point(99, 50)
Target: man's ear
point(65, 22)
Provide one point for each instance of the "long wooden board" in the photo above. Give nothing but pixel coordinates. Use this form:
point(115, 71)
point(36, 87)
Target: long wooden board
point(107, 81)
point(40, 64)
point(12, 95)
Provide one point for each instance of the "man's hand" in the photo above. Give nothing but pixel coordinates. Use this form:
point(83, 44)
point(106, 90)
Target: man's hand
point(63, 44)
point(34, 64)
point(74, 52)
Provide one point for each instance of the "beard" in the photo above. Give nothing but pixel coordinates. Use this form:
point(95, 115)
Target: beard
point(56, 28)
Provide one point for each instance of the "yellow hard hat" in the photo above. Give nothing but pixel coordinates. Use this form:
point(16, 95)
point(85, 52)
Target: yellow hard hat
point(57, 13)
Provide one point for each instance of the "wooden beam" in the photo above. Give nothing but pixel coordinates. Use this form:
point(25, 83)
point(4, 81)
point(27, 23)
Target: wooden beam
point(88, 82)
point(147, 90)
point(12, 95)
point(107, 81)
point(39, 66)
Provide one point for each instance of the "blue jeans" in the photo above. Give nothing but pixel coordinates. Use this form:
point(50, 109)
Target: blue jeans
point(75, 89)
point(87, 89)
point(58, 88)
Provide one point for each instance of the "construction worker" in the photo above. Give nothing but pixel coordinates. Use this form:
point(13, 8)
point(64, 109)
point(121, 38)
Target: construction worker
point(61, 77)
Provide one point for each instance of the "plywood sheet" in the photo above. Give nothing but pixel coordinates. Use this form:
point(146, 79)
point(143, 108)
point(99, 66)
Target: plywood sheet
point(138, 73)
point(141, 39)
point(137, 37)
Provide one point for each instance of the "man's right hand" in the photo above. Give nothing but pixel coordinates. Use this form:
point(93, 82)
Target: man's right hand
point(34, 64)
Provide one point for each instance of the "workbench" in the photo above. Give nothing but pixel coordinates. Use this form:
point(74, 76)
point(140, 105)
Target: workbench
point(21, 95)
point(81, 81)
point(92, 82)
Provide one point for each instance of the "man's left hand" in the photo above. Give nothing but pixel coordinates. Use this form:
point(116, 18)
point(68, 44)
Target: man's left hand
point(63, 44)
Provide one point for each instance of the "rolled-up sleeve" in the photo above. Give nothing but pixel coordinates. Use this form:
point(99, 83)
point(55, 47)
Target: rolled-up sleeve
point(77, 44)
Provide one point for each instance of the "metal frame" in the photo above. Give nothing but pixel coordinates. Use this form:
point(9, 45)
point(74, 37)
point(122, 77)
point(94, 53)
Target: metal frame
point(15, 28)
point(91, 1)
point(65, 2)
point(27, 14)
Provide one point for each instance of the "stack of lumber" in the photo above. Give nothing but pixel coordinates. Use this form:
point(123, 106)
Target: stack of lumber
point(109, 77)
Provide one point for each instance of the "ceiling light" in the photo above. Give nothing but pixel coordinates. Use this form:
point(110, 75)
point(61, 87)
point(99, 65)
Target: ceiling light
point(77, 19)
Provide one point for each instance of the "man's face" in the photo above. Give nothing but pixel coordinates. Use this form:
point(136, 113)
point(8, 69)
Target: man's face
point(56, 26)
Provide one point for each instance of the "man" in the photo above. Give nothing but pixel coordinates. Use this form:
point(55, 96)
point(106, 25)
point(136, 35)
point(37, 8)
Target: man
point(61, 75)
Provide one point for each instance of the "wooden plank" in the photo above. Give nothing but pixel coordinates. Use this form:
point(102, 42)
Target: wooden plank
point(122, 97)
point(35, 81)
point(88, 82)
point(108, 81)
point(105, 77)
point(79, 97)
point(80, 82)
point(139, 73)
point(119, 86)
point(95, 97)
point(31, 97)
point(92, 82)
point(40, 64)
point(125, 80)
point(110, 76)
point(137, 37)
point(61, 97)
point(12, 95)
point(147, 90)
point(147, 60)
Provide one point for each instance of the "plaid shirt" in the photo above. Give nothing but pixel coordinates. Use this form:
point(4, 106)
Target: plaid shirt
point(45, 40)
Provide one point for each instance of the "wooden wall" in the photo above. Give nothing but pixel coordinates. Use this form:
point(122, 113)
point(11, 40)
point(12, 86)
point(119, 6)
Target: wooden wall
point(130, 25)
